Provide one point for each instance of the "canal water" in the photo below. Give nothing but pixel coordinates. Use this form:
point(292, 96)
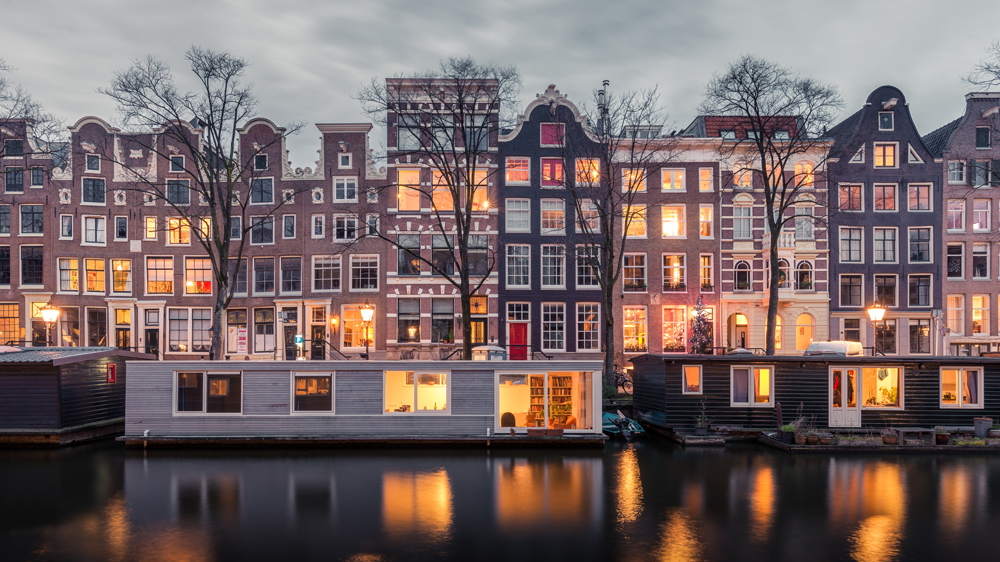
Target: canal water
point(644, 501)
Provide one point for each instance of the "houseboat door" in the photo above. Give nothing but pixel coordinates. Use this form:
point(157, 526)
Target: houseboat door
point(845, 410)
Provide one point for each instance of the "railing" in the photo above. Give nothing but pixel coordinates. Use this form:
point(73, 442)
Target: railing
point(786, 239)
point(634, 287)
point(526, 347)
point(669, 286)
point(807, 286)
point(707, 288)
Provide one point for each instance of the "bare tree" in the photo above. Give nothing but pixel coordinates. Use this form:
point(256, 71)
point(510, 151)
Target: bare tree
point(787, 116)
point(446, 120)
point(205, 126)
point(612, 164)
point(28, 131)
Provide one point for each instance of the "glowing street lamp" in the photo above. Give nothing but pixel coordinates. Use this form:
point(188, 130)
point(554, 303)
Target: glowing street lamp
point(367, 313)
point(876, 313)
point(50, 315)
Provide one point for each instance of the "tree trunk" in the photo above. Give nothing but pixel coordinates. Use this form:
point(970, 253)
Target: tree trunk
point(609, 335)
point(466, 318)
point(772, 297)
point(218, 317)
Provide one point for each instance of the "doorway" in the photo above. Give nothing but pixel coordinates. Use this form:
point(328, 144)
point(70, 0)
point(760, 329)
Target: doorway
point(317, 345)
point(518, 341)
point(845, 409)
point(740, 325)
point(153, 341)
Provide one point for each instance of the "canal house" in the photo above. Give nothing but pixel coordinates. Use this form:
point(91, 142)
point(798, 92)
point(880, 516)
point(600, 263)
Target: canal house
point(672, 392)
point(51, 396)
point(362, 401)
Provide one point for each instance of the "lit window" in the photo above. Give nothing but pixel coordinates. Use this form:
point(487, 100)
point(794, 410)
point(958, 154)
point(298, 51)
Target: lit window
point(885, 155)
point(673, 272)
point(634, 329)
point(553, 217)
point(635, 220)
point(178, 231)
point(705, 221)
point(588, 171)
point(588, 327)
point(159, 275)
point(409, 190)
point(673, 180)
point(961, 387)
point(480, 193)
point(752, 386)
point(674, 329)
point(441, 195)
point(588, 217)
point(634, 273)
point(552, 134)
point(707, 273)
point(518, 169)
point(552, 172)
point(804, 174)
point(980, 315)
point(742, 176)
point(692, 379)
point(880, 387)
point(416, 392)
point(197, 276)
point(121, 275)
point(633, 180)
point(673, 221)
point(313, 393)
point(705, 180)
point(956, 314)
point(69, 274)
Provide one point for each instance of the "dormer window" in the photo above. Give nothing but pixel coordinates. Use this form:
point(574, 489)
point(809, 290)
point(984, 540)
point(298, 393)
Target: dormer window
point(727, 134)
point(260, 162)
point(885, 121)
point(552, 134)
point(93, 163)
point(343, 160)
point(781, 135)
point(13, 147)
point(176, 163)
point(982, 137)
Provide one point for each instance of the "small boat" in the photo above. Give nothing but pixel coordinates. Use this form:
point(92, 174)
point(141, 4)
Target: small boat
point(617, 424)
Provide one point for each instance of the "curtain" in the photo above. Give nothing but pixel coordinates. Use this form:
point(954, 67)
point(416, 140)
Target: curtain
point(740, 383)
point(971, 386)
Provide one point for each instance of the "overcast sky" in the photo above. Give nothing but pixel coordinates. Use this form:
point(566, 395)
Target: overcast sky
point(309, 57)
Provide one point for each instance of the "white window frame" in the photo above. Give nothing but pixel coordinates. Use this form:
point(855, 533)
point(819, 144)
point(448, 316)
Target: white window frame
point(626, 184)
point(989, 215)
point(841, 230)
point(62, 220)
point(511, 215)
point(896, 155)
point(543, 330)
point(318, 220)
point(956, 175)
point(543, 257)
point(947, 215)
point(750, 368)
point(895, 250)
point(250, 192)
point(701, 380)
point(87, 159)
point(930, 290)
point(959, 384)
point(711, 221)
point(541, 217)
point(295, 226)
point(598, 322)
point(517, 182)
point(683, 222)
point(378, 274)
point(671, 174)
point(930, 244)
point(344, 180)
point(507, 265)
point(337, 238)
point(174, 166)
point(840, 284)
point(702, 180)
point(340, 160)
point(312, 273)
point(895, 198)
point(101, 220)
point(930, 199)
point(416, 411)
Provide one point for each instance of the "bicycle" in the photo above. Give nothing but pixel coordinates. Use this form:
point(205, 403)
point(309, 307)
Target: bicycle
point(622, 380)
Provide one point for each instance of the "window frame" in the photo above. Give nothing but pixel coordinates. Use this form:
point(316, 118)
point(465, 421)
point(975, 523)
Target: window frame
point(416, 411)
point(511, 215)
point(204, 392)
point(875, 155)
point(910, 286)
point(672, 173)
point(930, 244)
point(312, 374)
point(682, 223)
point(684, 385)
point(751, 369)
point(959, 383)
point(921, 188)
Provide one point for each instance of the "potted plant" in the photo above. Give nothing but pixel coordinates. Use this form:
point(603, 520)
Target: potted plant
point(995, 431)
point(800, 438)
point(825, 438)
point(941, 435)
point(787, 433)
point(889, 436)
point(812, 438)
point(701, 421)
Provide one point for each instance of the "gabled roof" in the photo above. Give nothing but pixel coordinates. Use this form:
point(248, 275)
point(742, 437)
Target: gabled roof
point(842, 132)
point(64, 355)
point(936, 141)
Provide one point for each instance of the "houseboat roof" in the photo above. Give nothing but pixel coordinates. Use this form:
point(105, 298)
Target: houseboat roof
point(64, 355)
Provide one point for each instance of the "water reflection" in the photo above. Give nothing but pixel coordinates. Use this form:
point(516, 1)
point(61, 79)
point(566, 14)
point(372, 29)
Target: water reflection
point(417, 505)
point(534, 493)
point(962, 489)
point(680, 540)
point(762, 502)
point(870, 497)
point(629, 490)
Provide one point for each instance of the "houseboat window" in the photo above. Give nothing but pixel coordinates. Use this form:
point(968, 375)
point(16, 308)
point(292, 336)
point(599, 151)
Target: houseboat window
point(224, 394)
point(189, 392)
point(430, 393)
point(752, 386)
point(692, 379)
point(522, 400)
point(961, 388)
point(312, 393)
point(880, 387)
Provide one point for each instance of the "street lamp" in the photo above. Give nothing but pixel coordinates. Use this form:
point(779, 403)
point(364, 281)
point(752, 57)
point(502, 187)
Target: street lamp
point(876, 312)
point(49, 315)
point(367, 313)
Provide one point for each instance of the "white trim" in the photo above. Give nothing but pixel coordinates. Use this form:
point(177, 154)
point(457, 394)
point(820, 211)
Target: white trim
point(958, 386)
point(204, 391)
point(417, 411)
point(701, 383)
point(333, 393)
point(751, 368)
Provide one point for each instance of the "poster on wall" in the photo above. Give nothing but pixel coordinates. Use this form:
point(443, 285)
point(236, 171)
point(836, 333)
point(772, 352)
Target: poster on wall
point(238, 334)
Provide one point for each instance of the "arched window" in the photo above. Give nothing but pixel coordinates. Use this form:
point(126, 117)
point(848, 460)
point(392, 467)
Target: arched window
point(804, 174)
point(742, 276)
point(804, 331)
point(784, 281)
point(804, 277)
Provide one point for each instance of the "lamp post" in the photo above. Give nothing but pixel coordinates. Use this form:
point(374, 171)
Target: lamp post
point(876, 312)
point(49, 315)
point(367, 313)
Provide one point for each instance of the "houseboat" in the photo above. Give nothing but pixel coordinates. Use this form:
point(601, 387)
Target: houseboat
point(53, 396)
point(673, 392)
point(364, 402)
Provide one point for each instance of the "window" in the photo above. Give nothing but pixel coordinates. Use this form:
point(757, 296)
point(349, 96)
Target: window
point(553, 266)
point(804, 326)
point(31, 219)
point(920, 335)
point(371, 220)
point(442, 132)
point(178, 192)
point(674, 329)
point(885, 197)
point(981, 261)
point(588, 262)
point(326, 273)
point(442, 199)
point(752, 386)
point(956, 255)
point(982, 137)
point(552, 172)
point(442, 320)
point(69, 275)
point(518, 266)
point(221, 393)
point(408, 132)
point(121, 228)
point(881, 387)
point(961, 387)
point(673, 221)
point(553, 217)
point(742, 274)
point(705, 216)
point(443, 254)
point(97, 327)
point(956, 314)
point(673, 180)
point(288, 227)
point(69, 329)
point(518, 169)
point(981, 215)
point(920, 245)
point(634, 180)
point(553, 326)
point(160, 275)
point(121, 276)
point(552, 134)
point(980, 315)
point(407, 320)
point(981, 173)
point(885, 155)
point(93, 163)
point(345, 228)
point(94, 270)
point(518, 213)
point(93, 190)
point(260, 162)
point(479, 248)
point(956, 171)
point(313, 393)
point(742, 222)
point(743, 176)
point(13, 147)
point(65, 227)
point(885, 120)
point(588, 217)
point(345, 190)
point(262, 191)
point(804, 223)
point(409, 190)
point(673, 273)
point(634, 273)
point(319, 226)
point(850, 244)
point(5, 265)
point(706, 182)
point(364, 273)
point(198, 276)
point(263, 275)
point(920, 290)
point(920, 197)
point(956, 215)
point(408, 254)
point(241, 277)
point(850, 290)
point(635, 220)
point(588, 171)
point(804, 174)
point(5, 219)
point(263, 330)
point(707, 275)
point(804, 276)
point(634, 329)
point(235, 228)
point(13, 180)
point(32, 265)
point(94, 230)
point(885, 245)
point(885, 290)
point(850, 197)
point(178, 231)
point(588, 327)
point(416, 392)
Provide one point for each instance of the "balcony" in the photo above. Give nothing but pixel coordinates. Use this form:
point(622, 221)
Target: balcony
point(634, 286)
point(786, 240)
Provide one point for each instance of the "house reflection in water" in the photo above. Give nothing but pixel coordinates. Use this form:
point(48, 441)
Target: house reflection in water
point(870, 499)
point(679, 538)
point(962, 490)
point(417, 506)
point(762, 503)
point(533, 494)
point(629, 489)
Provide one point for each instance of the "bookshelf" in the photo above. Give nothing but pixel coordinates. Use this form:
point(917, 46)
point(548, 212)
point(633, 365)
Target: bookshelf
point(560, 399)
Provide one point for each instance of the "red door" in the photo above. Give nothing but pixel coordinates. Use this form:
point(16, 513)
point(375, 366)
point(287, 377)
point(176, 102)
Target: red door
point(518, 341)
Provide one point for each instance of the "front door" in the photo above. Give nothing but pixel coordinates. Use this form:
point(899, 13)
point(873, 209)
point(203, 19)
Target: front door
point(741, 336)
point(153, 341)
point(518, 341)
point(291, 350)
point(845, 410)
point(123, 337)
point(317, 347)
